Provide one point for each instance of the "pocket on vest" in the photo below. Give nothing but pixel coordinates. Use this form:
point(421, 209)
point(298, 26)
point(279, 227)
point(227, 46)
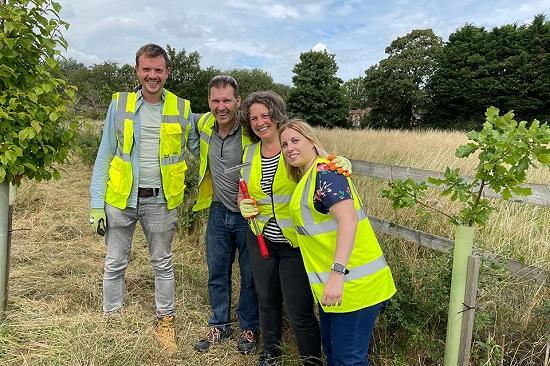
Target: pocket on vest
point(177, 178)
point(120, 175)
point(171, 139)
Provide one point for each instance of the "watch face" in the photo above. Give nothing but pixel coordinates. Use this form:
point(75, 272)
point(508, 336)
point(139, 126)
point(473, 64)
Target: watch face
point(337, 267)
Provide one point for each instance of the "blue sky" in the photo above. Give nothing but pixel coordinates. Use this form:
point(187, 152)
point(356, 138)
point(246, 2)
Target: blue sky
point(270, 35)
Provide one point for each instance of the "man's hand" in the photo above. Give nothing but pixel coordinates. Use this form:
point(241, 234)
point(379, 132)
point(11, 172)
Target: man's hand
point(339, 164)
point(248, 208)
point(98, 220)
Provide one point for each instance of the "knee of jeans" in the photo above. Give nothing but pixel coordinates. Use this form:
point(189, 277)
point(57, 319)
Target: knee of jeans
point(115, 266)
point(162, 265)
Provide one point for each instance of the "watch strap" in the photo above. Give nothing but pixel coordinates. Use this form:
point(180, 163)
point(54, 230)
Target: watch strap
point(340, 268)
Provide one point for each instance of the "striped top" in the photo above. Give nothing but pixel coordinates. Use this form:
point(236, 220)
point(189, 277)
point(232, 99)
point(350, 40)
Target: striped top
point(272, 231)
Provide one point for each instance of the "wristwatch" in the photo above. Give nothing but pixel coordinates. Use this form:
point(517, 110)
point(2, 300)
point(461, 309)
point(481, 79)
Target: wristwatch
point(337, 267)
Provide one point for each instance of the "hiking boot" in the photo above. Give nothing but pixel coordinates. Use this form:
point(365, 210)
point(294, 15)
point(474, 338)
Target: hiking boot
point(268, 359)
point(214, 335)
point(247, 341)
point(166, 334)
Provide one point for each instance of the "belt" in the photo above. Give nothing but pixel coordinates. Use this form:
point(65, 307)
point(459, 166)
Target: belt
point(148, 192)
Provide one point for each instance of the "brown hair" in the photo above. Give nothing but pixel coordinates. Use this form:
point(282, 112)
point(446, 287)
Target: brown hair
point(221, 81)
point(274, 104)
point(151, 50)
point(308, 132)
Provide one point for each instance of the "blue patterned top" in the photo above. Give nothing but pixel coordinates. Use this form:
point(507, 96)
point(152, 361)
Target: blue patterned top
point(330, 187)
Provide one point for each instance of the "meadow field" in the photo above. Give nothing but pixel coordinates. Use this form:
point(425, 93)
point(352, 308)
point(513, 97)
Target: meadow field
point(54, 309)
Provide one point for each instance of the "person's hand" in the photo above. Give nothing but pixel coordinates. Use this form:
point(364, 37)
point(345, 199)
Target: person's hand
point(248, 208)
point(98, 220)
point(340, 164)
point(334, 289)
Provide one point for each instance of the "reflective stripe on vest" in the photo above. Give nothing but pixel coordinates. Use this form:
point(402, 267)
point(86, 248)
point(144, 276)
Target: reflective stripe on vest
point(354, 273)
point(124, 124)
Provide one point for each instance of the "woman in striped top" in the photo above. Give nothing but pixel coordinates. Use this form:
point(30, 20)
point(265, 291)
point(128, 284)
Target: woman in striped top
point(281, 278)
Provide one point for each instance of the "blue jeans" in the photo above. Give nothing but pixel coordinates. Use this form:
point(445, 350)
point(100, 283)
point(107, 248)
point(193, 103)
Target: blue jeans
point(346, 336)
point(225, 235)
point(158, 224)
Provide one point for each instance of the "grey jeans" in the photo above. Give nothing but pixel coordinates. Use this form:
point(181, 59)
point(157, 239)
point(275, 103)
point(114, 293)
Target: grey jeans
point(159, 225)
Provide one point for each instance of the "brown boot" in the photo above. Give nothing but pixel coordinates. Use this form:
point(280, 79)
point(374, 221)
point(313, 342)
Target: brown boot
point(166, 334)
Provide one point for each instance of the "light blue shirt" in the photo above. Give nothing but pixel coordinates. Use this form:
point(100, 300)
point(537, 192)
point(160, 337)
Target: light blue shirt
point(107, 149)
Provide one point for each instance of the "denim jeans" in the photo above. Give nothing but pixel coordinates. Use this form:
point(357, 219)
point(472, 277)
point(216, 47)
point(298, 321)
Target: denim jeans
point(225, 235)
point(279, 279)
point(159, 225)
point(346, 336)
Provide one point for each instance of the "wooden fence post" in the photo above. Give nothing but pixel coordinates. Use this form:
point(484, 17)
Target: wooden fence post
point(472, 280)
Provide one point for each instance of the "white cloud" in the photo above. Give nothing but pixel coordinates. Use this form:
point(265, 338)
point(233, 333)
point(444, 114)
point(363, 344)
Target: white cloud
point(279, 11)
point(272, 33)
point(320, 47)
point(83, 57)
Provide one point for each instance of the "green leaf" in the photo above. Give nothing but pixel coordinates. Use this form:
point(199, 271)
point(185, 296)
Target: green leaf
point(30, 166)
point(2, 174)
point(53, 116)
point(36, 126)
point(522, 191)
point(544, 158)
point(56, 7)
point(51, 63)
point(33, 98)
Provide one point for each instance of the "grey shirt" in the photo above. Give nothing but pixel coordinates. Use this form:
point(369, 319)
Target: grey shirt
point(222, 154)
point(149, 165)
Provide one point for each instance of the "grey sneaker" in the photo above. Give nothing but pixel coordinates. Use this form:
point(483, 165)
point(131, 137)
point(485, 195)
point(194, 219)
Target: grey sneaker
point(214, 335)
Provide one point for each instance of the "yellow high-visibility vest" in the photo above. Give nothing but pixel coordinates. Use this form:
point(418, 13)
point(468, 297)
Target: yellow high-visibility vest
point(174, 132)
point(369, 280)
point(205, 126)
point(277, 205)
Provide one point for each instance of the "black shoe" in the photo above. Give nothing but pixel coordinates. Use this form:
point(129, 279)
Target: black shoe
point(214, 335)
point(247, 341)
point(268, 359)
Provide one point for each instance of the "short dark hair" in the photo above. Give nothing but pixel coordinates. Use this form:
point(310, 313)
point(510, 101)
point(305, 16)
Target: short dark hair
point(221, 81)
point(151, 50)
point(274, 104)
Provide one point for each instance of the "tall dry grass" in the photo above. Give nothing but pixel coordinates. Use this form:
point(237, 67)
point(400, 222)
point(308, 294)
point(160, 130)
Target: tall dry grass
point(54, 310)
point(516, 231)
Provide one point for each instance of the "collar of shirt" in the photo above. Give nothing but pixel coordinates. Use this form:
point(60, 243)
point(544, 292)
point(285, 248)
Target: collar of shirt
point(233, 129)
point(140, 100)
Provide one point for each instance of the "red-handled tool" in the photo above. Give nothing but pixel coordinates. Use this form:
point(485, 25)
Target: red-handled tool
point(261, 243)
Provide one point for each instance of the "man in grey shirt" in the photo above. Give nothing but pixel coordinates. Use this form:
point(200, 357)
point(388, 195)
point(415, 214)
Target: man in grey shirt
point(221, 146)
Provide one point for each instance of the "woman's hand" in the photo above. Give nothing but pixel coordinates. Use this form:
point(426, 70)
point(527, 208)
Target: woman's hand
point(248, 208)
point(334, 289)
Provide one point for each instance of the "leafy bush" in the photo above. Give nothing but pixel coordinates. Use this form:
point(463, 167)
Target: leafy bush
point(86, 145)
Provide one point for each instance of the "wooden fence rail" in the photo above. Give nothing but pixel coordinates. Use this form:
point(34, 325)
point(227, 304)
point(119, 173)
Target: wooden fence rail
point(540, 197)
point(446, 246)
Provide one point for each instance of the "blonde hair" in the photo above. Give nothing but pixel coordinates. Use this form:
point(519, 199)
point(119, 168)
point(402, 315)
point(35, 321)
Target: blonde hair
point(308, 132)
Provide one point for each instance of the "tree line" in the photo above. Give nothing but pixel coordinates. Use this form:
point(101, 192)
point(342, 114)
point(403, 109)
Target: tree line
point(423, 81)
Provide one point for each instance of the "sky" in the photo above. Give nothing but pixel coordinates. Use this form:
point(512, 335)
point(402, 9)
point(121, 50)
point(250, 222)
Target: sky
point(270, 35)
